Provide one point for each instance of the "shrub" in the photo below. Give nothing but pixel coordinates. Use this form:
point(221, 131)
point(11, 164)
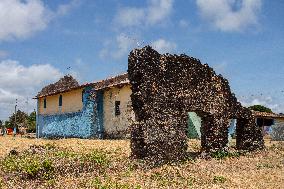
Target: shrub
point(31, 168)
point(219, 179)
point(98, 157)
point(109, 184)
point(224, 154)
point(50, 146)
point(1, 183)
point(28, 166)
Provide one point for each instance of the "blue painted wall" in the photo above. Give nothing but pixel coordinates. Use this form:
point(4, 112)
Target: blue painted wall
point(100, 112)
point(87, 123)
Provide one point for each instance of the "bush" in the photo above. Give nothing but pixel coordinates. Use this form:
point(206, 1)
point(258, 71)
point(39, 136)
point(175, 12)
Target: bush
point(97, 157)
point(224, 154)
point(28, 166)
point(260, 108)
point(219, 179)
point(46, 162)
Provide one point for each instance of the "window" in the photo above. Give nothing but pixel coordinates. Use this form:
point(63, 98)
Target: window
point(44, 103)
point(117, 108)
point(60, 100)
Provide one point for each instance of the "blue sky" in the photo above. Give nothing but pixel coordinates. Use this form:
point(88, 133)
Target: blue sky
point(39, 39)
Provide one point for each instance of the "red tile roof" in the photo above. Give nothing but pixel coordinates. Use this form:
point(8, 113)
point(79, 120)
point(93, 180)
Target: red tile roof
point(55, 88)
point(266, 115)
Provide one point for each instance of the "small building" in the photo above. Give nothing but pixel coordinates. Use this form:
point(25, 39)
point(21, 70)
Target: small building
point(267, 120)
point(93, 110)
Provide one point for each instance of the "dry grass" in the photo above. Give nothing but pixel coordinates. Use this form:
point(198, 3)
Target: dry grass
point(263, 169)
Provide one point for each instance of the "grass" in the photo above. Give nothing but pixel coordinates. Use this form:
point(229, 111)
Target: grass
point(105, 164)
point(219, 179)
point(224, 154)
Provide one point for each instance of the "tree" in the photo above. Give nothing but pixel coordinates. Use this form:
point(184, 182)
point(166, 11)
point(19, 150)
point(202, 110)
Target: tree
point(32, 122)
point(7, 124)
point(260, 108)
point(21, 120)
point(1, 127)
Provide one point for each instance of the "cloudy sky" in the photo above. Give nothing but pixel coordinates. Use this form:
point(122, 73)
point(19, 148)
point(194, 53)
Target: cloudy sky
point(39, 39)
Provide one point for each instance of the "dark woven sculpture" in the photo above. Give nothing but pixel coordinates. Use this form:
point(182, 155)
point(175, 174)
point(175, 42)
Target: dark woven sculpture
point(165, 88)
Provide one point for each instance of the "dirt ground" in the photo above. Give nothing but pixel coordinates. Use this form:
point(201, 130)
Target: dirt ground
point(264, 169)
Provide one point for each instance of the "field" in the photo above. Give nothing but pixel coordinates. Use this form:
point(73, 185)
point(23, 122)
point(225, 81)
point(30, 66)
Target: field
point(78, 163)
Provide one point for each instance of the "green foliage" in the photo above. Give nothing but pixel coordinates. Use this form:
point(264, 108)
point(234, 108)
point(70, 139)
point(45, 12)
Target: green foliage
point(21, 119)
point(48, 161)
point(49, 146)
point(65, 154)
point(264, 165)
point(219, 179)
point(7, 124)
point(260, 108)
point(1, 183)
point(31, 168)
point(109, 184)
point(190, 181)
point(162, 179)
point(32, 122)
point(28, 166)
point(224, 154)
point(98, 157)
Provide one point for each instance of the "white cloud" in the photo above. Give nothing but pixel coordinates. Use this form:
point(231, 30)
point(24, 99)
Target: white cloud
point(183, 23)
point(120, 47)
point(64, 9)
point(19, 19)
point(22, 82)
point(129, 16)
point(79, 70)
point(163, 46)
point(155, 12)
point(124, 45)
point(266, 101)
point(158, 10)
point(230, 15)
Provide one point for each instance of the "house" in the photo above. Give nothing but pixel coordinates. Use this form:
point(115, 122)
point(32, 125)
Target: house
point(93, 110)
point(267, 120)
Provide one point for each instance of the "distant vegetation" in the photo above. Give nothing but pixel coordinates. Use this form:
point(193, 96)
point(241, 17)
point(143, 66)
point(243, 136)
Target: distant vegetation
point(260, 108)
point(22, 120)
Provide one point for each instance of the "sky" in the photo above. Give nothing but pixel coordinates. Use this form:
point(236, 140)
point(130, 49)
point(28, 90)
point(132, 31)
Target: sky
point(40, 39)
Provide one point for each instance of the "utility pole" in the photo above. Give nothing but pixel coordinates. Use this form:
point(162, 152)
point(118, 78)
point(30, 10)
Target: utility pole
point(15, 128)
